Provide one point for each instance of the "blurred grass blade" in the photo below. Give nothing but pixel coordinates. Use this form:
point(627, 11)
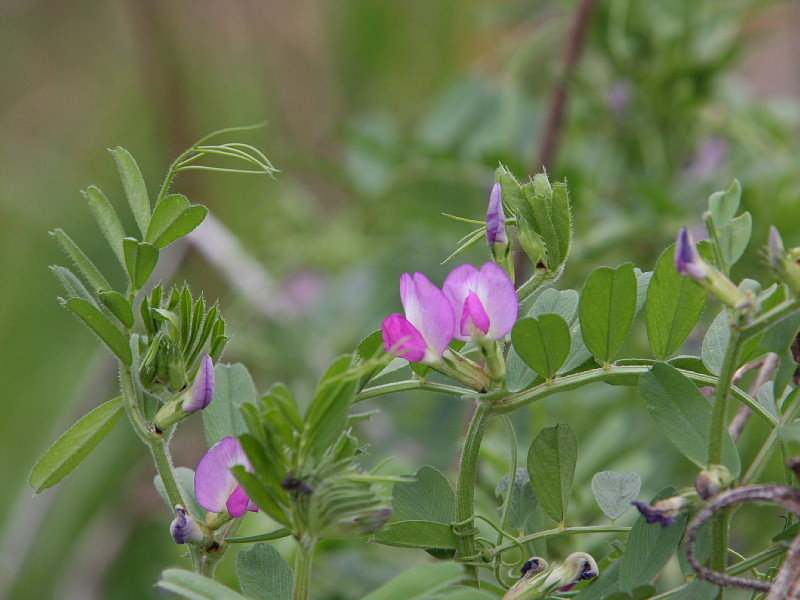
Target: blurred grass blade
point(419, 582)
point(107, 220)
point(87, 268)
point(112, 337)
point(135, 188)
point(74, 445)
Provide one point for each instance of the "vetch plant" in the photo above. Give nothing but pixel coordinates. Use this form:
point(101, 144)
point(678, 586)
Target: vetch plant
point(500, 347)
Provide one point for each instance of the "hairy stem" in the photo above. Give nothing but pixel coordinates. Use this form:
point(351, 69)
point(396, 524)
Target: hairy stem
point(465, 493)
point(302, 568)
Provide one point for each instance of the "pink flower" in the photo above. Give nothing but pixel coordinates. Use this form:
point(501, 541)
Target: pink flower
point(215, 486)
point(424, 333)
point(485, 302)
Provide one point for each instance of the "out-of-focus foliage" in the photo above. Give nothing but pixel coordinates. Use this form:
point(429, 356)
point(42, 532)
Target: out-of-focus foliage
point(380, 118)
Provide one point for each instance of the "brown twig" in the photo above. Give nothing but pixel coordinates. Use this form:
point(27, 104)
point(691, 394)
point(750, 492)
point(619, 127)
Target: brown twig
point(767, 370)
point(787, 497)
point(558, 102)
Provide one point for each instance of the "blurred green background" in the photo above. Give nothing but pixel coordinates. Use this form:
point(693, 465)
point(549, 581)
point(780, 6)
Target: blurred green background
point(381, 116)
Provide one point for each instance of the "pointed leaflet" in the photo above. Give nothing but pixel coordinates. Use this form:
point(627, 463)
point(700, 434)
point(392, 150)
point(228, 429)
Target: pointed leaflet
point(264, 574)
point(427, 497)
point(422, 581)
point(172, 219)
point(87, 268)
point(116, 341)
point(614, 491)
point(683, 414)
point(607, 308)
point(74, 445)
point(551, 465)
point(140, 260)
point(195, 587)
point(648, 548)
point(107, 220)
point(542, 343)
point(135, 188)
point(119, 307)
point(326, 417)
point(674, 304)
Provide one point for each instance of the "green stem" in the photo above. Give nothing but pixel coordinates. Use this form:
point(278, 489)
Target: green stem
point(465, 494)
point(549, 533)
point(720, 526)
point(302, 569)
point(408, 385)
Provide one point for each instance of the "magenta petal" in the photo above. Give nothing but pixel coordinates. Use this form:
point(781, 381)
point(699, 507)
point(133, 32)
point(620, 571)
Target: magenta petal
point(213, 481)
point(499, 299)
point(402, 339)
point(238, 502)
point(474, 316)
point(457, 286)
point(429, 311)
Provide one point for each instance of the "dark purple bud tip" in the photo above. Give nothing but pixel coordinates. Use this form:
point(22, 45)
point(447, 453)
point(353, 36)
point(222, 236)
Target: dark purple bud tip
point(654, 515)
point(687, 258)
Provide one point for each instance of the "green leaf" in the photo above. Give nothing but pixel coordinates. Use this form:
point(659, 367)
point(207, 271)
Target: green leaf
point(428, 497)
point(614, 491)
point(724, 204)
point(264, 574)
point(116, 341)
point(135, 188)
point(683, 414)
point(107, 220)
point(648, 548)
point(74, 445)
point(542, 343)
point(417, 534)
point(607, 308)
point(185, 478)
point(87, 268)
point(674, 304)
point(72, 285)
point(551, 465)
point(522, 501)
point(697, 590)
point(422, 581)
point(140, 260)
point(326, 417)
point(265, 497)
point(464, 593)
point(119, 307)
point(734, 237)
point(172, 219)
point(715, 344)
point(222, 417)
point(195, 587)
point(563, 303)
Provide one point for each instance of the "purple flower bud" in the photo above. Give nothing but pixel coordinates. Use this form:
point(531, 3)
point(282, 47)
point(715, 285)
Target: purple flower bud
point(202, 391)
point(618, 97)
point(687, 258)
point(496, 218)
point(184, 528)
point(664, 511)
point(216, 488)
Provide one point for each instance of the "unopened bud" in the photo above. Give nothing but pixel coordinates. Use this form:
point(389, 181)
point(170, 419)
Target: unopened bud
point(663, 511)
point(185, 530)
point(197, 397)
point(537, 582)
point(711, 481)
point(784, 263)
